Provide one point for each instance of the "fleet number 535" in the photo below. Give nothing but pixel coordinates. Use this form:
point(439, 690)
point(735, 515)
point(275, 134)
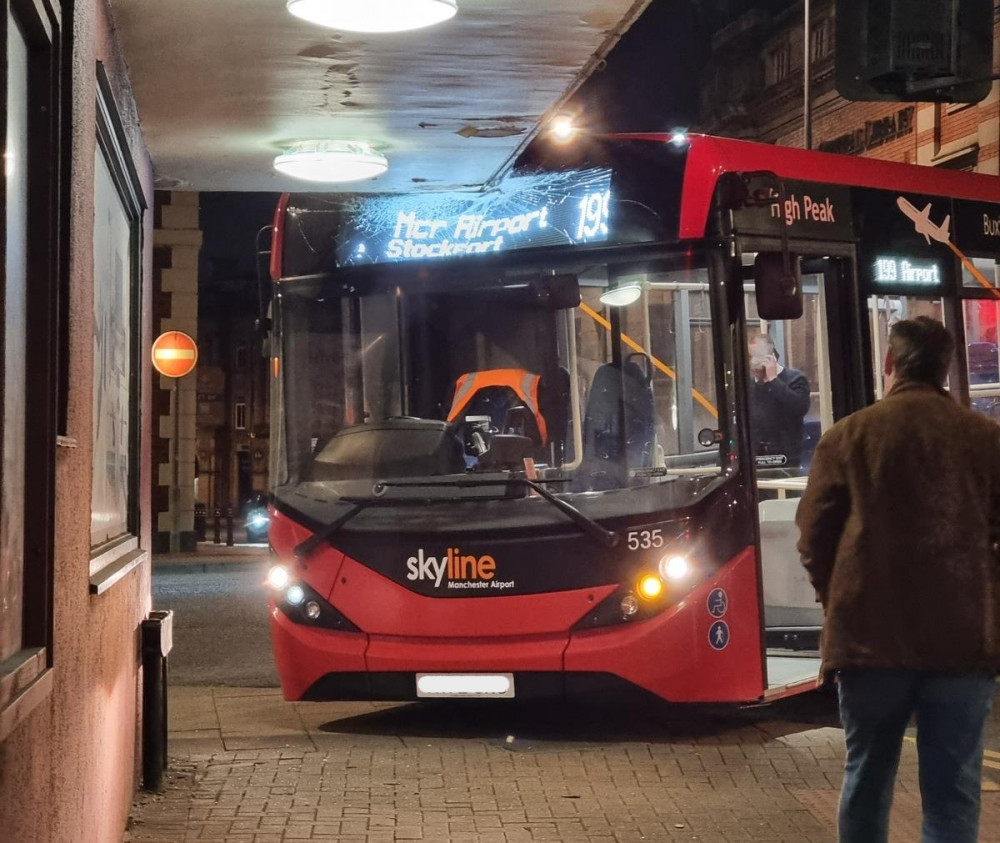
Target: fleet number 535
point(644, 539)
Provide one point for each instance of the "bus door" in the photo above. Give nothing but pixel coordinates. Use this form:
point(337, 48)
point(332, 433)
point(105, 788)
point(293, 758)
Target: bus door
point(802, 374)
point(981, 315)
point(884, 312)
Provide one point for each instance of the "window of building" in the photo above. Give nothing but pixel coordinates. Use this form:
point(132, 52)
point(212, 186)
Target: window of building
point(14, 345)
point(240, 417)
point(820, 40)
point(118, 209)
point(779, 63)
point(30, 389)
point(242, 355)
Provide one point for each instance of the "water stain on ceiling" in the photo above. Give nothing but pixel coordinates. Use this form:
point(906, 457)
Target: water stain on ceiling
point(221, 85)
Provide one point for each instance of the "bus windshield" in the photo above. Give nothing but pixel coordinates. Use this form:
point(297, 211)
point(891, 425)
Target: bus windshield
point(417, 375)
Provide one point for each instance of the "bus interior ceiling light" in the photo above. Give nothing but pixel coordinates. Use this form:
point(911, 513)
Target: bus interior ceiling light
point(622, 295)
point(331, 161)
point(374, 15)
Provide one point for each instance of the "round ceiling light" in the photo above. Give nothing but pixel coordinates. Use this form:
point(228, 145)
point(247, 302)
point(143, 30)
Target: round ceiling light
point(374, 15)
point(331, 161)
point(622, 296)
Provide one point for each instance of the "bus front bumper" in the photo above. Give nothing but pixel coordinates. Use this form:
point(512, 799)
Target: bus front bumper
point(670, 655)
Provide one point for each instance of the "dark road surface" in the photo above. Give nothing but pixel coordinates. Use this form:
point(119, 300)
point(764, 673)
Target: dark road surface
point(221, 634)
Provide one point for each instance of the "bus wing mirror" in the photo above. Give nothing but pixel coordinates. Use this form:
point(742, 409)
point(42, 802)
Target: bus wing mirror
point(556, 292)
point(778, 284)
point(707, 437)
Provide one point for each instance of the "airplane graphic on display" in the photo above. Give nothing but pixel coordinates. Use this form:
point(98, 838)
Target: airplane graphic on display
point(922, 222)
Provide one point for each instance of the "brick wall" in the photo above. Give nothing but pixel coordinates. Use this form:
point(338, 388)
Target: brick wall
point(956, 136)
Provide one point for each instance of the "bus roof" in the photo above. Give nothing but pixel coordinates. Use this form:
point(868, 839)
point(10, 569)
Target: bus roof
point(686, 185)
point(709, 157)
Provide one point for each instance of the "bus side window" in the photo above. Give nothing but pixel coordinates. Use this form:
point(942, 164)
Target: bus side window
point(983, 355)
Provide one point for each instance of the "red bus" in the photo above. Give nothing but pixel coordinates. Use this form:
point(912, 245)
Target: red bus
point(548, 438)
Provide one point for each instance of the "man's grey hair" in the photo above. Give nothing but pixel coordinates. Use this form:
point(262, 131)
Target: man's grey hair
point(767, 340)
point(921, 350)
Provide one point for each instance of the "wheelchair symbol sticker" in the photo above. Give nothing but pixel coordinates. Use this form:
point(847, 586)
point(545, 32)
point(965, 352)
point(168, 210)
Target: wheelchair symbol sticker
point(718, 635)
point(718, 602)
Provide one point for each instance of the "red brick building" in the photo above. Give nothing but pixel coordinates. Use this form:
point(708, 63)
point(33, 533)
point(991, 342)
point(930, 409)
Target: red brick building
point(755, 90)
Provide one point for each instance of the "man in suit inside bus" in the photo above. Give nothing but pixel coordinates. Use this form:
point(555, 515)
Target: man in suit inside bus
point(779, 401)
point(899, 528)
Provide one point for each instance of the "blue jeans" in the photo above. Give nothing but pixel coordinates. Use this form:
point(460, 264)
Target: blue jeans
point(951, 712)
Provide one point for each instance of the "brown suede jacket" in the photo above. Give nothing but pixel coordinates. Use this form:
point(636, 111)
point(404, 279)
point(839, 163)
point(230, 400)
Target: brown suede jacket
point(898, 525)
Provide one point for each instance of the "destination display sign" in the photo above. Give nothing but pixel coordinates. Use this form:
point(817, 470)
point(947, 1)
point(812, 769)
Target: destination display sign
point(807, 209)
point(551, 209)
point(906, 243)
point(895, 270)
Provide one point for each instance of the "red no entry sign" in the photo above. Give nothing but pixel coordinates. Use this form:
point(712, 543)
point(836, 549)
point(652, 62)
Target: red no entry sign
point(174, 354)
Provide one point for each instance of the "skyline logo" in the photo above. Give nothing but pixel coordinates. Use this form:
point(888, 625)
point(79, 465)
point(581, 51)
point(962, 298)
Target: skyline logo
point(455, 570)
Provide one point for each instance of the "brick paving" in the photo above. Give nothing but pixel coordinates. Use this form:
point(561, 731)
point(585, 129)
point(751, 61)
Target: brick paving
point(248, 767)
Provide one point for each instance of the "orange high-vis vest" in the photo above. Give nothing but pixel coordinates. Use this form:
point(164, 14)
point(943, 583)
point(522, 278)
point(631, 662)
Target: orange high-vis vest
point(523, 383)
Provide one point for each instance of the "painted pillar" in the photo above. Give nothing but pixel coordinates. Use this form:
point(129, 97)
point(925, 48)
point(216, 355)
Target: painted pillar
point(177, 243)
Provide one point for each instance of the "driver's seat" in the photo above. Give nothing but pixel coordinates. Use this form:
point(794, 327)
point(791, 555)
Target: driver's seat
point(508, 396)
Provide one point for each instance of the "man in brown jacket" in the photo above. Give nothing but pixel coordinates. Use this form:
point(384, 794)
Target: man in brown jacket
point(898, 529)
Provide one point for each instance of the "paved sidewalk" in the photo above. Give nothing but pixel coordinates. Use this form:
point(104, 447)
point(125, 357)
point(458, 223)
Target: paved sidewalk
point(248, 767)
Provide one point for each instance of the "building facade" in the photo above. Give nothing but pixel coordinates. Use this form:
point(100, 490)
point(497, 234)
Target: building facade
point(76, 526)
point(233, 399)
point(177, 246)
point(232, 416)
point(205, 283)
point(755, 89)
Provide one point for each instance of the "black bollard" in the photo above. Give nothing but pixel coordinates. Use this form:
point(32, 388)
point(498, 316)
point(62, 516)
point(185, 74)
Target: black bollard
point(157, 641)
point(218, 525)
point(200, 517)
point(229, 526)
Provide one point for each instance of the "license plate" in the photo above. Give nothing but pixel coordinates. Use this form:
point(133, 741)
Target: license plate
point(450, 685)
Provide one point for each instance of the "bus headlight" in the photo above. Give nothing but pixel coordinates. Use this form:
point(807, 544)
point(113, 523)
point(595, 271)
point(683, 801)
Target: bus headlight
point(674, 567)
point(278, 577)
point(650, 586)
point(302, 604)
point(629, 605)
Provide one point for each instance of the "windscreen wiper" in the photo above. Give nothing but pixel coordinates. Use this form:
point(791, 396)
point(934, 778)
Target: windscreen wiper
point(304, 549)
point(608, 538)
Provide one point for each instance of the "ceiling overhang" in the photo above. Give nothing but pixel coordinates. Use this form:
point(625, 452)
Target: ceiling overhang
point(222, 87)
